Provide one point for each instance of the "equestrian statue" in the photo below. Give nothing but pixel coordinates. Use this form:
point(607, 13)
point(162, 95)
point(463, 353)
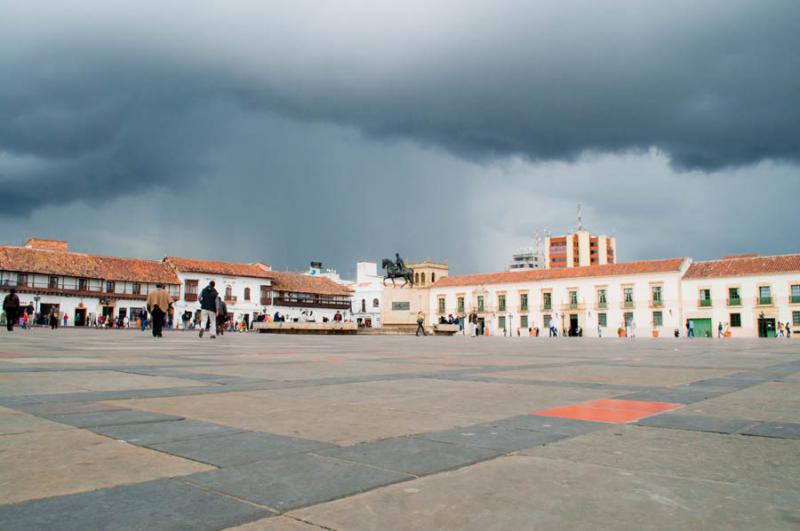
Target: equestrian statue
point(397, 269)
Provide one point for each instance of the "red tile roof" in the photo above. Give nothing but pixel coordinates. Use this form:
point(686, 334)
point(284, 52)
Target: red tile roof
point(50, 245)
point(301, 283)
point(744, 266)
point(509, 277)
point(215, 267)
point(49, 262)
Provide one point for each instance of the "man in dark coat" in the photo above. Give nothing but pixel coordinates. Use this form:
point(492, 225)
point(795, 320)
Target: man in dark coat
point(11, 307)
point(208, 309)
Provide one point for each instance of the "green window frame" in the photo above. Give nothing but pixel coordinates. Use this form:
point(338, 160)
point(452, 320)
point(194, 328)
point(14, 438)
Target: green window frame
point(658, 319)
point(501, 303)
point(627, 297)
point(501, 322)
point(796, 318)
point(602, 319)
point(523, 322)
point(736, 320)
point(764, 295)
point(795, 293)
point(656, 291)
point(481, 305)
point(523, 302)
point(460, 304)
point(705, 297)
point(547, 300)
point(442, 304)
point(573, 299)
point(734, 297)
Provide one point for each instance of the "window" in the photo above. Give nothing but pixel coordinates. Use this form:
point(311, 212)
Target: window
point(136, 288)
point(796, 318)
point(460, 304)
point(523, 321)
point(22, 280)
point(247, 294)
point(628, 318)
point(401, 306)
point(627, 296)
point(83, 284)
point(705, 297)
point(422, 278)
point(736, 320)
point(416, 278)
point(376, 303)
point(733, 297)
point(501, 303)
point(363, 305)
point(795, 293)
point(764, 295)
point(657, 296)
point(602, 319)
point(573, 299)
point(481, 306)
point(658, 319)
point(433, 278)
point(601, 298)
point(109, 286)
point(53, 282)
point(501, 322)
point(523, 303)
point(547, 300)
point(441, 305)
point(190, 290)
point(266, 294)
point(228, 293)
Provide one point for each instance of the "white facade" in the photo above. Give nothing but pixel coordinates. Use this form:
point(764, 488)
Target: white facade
point(367, 295)
point(570, 301)
point(765, 297)
point(242, 295)
point(83, 300)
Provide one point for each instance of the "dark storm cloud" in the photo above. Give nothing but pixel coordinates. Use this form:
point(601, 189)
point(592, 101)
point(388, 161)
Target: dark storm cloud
point(309, 117)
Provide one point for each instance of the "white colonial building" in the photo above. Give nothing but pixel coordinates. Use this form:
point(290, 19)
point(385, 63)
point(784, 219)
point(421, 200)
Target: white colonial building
point(251, 290)
point(749, 295)
point(367, 295)
point(49, 277)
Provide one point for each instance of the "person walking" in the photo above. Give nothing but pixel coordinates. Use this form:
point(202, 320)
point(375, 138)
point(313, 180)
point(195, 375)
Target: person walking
point(421, 323)
point(719, 329)
point(53, 320)
point(11, 307)
point(222, 315)
point(689, 328)
point(158, 305)
point(208, 309)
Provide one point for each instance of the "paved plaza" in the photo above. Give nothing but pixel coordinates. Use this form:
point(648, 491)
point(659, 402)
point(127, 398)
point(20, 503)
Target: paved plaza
point(115, 430)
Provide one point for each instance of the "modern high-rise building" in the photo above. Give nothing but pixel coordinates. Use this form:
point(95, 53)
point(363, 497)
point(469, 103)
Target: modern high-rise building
point(579, 248)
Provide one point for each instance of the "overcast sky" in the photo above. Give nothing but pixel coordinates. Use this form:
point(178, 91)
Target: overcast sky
point(344, 131)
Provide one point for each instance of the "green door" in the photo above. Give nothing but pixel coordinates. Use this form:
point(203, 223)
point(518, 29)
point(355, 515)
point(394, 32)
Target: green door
point(702, 327)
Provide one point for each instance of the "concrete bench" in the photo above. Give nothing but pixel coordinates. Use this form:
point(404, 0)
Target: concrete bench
point(306, 328)
point(445, 329)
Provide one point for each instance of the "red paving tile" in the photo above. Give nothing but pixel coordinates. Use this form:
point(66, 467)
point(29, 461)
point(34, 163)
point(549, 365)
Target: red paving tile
point(609, 410)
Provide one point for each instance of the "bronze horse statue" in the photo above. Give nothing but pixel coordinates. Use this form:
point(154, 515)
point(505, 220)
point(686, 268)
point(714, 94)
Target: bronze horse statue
point(393, 271)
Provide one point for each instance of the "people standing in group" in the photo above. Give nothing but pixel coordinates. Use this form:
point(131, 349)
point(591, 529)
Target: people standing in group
point(421, 323)
point(208, 309)
point(158, 303)
point(337, 317)
point(11, 307)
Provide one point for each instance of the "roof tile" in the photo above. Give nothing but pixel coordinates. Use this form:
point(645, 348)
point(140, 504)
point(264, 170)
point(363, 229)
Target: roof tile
point(744, 266)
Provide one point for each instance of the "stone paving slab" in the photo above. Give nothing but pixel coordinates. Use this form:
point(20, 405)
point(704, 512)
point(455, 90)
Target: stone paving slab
point(276, 523)
point(151, 433)
point(767, 463)
point(238, 448)
point(522, 492)
point(412, 455)
point(780, 430)
point(296, 481)
point(161, 504)
point(110, 418)
point(494, 437)
point(37, 465)
point(696, 423)
point(563, 426)
point(677, 396)
point(12, 422)
point(55, 408)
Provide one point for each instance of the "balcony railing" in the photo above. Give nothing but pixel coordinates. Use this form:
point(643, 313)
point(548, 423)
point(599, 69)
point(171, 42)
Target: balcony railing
point(231, 299)
point(547, 306)
point(705, 303)
point(573, 306)
point(317, 302)
point(602, 305)
point(734, 301)
point(190, 297)
point(656, 303)
point(764, 300)
point(266, 301)
point(628, 304)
